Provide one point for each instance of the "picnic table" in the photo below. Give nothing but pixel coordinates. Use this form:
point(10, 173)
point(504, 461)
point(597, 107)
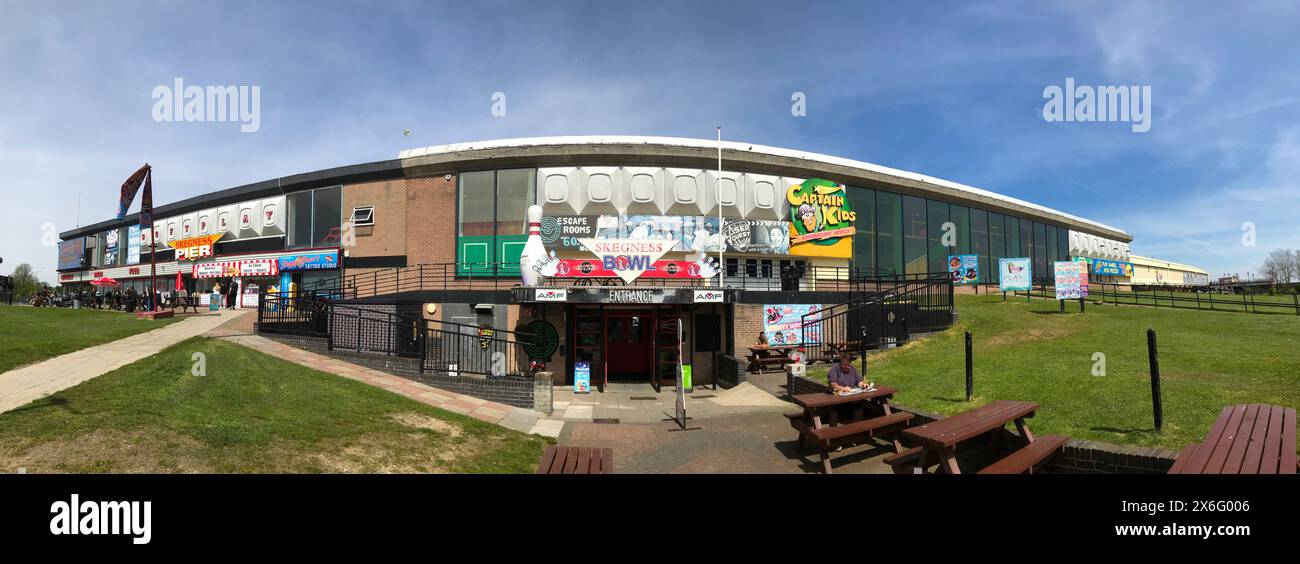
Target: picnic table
point(1245, 439)
point(762, 356)
point(938, 441)
point(576, 460)
point(819, 420)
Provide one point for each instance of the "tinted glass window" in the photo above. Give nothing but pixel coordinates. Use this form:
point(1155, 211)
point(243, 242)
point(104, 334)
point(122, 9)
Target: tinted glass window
point(476, 200)
point(299, 204)
point(914, 239)
point(889, 232)
point(960, 216)
point(936, 215)
point(979, 240)
point(327, 215)
point(1013, 237)
point(863, 201)
point(997, 247)
point(1040, 254)
point(515, 192)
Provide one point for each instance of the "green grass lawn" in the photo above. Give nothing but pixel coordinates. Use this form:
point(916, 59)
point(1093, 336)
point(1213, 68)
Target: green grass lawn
point(1028, 351)
point(250, 413)
point(31, 334)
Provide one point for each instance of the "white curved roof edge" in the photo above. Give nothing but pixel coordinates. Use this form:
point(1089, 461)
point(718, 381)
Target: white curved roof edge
point(1149, 261)
point(733, 146)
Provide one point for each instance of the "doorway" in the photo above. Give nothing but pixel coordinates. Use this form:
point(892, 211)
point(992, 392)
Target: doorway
point(627, 347)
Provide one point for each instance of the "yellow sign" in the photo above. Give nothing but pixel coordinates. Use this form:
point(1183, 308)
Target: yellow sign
point(195, 248)
point(821, 219)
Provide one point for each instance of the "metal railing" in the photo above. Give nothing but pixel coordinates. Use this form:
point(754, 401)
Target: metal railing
point(1195, 299)
point(880, 319)
point(441, 347)
point(485, 277)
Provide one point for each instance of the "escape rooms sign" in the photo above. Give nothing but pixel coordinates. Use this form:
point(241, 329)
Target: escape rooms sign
point(821, 219)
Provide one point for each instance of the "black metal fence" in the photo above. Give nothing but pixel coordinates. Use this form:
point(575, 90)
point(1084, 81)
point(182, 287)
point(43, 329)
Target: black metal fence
point(1195, 299)
point(441, 346)
point(888, 317)
point(489, 277)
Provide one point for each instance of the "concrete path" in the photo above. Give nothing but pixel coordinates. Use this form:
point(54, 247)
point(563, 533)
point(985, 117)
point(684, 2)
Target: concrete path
point(753, 443)
point(21, 386)
point(639, 403)
point(510, 417)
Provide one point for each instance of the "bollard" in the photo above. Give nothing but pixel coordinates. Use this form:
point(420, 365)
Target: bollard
point(970, 373)
point(1081, 304)
point(1154, 361)
point(1062, 305)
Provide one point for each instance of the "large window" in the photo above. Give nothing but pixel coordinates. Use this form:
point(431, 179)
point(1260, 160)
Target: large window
point(1063, 243)
point(889, 230)
point(979, 240)
point(316, 217)
point(960, 216)
point(1040, 254)
point(863, 201)
point(1013, 237)
point(997, 246)
point(1051, 249)
point(914, 240)
point(492, 220)
point(936, 215)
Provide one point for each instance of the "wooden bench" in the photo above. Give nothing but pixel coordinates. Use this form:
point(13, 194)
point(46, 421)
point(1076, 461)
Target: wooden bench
point(827, 438)
point(1245, 439)
point(576, 460)
point(905, 461)
point(1029, 458)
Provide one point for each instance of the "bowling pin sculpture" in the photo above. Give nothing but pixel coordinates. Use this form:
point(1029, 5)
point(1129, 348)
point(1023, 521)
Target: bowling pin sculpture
point(534, 252)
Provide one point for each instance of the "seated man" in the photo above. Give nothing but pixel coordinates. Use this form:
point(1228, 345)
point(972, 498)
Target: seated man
point(843, 377)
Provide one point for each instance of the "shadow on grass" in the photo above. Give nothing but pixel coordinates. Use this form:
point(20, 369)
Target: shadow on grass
point(951, 400)
point(51, 401)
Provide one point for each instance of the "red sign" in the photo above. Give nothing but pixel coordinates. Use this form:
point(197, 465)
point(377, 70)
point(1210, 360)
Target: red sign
point(98, 274)
point(65, 277)
point(593, 268)
point(133, 270)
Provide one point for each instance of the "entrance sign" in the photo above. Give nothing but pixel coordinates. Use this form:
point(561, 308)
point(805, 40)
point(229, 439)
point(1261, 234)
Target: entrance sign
point(964, 269)
point(195, 248)
point(1014, 274)
point(783, 323)
point(1068, 280)
point(581, 377)
point(626, 295)
point(628, 258)
point(821, 219)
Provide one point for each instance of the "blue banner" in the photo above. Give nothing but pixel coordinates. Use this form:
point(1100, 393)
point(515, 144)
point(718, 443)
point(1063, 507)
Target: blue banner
point(964, 269)
point(310, 261)
point(1102, 267)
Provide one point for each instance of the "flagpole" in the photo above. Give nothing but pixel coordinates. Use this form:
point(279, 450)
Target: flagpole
point(153, 245)
point(722, 242)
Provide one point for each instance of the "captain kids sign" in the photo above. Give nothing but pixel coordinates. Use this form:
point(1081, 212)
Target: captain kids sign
point(821, 219)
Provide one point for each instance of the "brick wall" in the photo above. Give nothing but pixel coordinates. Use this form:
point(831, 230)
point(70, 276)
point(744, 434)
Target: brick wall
point(388, 235)
point(431, 220)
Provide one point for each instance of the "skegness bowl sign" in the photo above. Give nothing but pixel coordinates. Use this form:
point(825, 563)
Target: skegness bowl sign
point(628, 258)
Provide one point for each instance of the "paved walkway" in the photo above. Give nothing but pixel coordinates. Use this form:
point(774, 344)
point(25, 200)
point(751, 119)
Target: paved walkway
point(640, 403)
point(21, 386)
point(754, 443)
point(510, 417)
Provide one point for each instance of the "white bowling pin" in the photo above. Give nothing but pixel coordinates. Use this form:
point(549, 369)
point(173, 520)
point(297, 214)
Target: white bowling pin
point(534, 252)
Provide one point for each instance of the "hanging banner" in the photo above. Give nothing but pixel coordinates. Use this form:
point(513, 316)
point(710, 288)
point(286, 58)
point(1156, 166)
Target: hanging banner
point(964, 269)
point(310, 261)
point(1014, 274)
point(1068, 279)
point(783, 323)
point(1102, 267)
point(821, 219)
point(590, 268)
point(133, 242)
point(628, 258)
point(757, 236)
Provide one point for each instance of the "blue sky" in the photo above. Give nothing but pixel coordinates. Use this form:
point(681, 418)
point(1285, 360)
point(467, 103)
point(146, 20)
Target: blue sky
point(947, 89)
